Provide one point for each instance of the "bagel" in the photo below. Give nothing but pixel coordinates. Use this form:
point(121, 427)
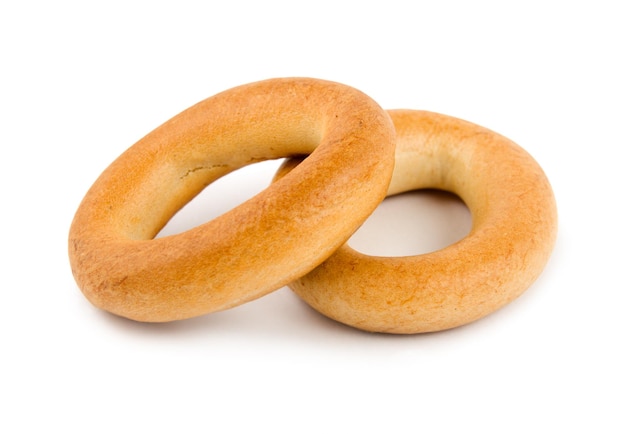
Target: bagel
point(514, 226)
point(255, 248)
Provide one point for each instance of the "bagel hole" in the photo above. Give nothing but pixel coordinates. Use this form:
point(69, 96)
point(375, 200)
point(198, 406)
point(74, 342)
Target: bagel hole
point(413, 223)
point(221, 196)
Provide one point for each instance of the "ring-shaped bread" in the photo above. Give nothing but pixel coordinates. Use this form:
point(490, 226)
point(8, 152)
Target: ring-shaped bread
point(514, 226)
point(257, 247)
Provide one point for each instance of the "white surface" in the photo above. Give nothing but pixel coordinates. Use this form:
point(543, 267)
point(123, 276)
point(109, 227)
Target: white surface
point(80, 82)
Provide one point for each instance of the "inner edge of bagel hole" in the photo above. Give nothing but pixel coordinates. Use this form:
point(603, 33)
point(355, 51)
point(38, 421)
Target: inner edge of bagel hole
point(413, 223)
point(222, 195)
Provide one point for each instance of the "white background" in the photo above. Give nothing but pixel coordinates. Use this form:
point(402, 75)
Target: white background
point(82, 81)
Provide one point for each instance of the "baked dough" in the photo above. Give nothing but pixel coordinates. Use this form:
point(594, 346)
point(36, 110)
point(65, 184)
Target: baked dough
point(261, 245)
point(514, 227)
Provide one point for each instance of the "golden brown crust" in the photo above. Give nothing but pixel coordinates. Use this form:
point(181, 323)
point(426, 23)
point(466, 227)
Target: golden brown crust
point(256, 247)
point(514, 229)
